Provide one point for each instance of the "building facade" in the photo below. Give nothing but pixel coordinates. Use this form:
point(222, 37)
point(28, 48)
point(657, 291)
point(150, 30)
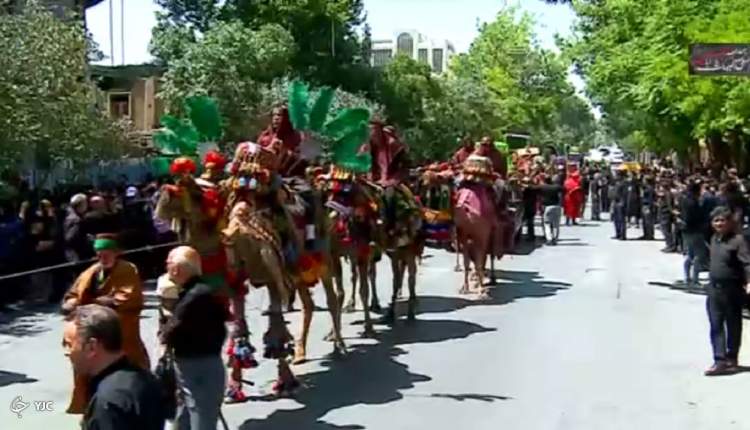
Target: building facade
point(436, 54)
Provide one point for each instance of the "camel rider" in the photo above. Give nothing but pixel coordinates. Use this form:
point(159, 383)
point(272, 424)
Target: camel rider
point(285, 140)
point(466, 149)
point(487, 149)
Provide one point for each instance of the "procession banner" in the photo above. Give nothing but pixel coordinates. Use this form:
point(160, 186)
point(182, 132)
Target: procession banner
point(720, 59)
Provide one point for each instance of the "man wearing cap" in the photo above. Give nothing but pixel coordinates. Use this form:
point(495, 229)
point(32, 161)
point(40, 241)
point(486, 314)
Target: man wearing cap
point(114, 283)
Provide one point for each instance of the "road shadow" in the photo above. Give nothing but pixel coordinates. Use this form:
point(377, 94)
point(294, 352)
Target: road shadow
point(526, 246)
point(512, 285)
point(487, 398)
point(696, 290)
point(582, 224)
point(681, 286)
point(25, 319)
point(10, 378)
point(559, 244)
point(369, 375)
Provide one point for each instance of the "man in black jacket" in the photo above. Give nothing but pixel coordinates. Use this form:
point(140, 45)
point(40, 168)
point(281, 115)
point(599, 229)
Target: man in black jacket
point(122, 396)
point(529, 196)
point(694, 223)
point(619, 205)
point(596, 201)
point(665, 213)
point(729, 274)
point(648, 205)
point(195, 334)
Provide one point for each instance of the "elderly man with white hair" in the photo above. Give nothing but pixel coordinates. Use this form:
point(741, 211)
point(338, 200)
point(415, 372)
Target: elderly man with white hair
point(77, 246)
point(193, 331)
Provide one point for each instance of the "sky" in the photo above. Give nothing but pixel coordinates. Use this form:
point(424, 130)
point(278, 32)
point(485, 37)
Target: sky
point(454, 20)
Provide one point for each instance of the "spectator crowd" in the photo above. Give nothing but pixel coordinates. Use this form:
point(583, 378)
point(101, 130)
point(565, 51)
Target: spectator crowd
point(54, 228)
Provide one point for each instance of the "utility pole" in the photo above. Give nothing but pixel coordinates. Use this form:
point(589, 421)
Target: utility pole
point(111, 36)
point(122, 31)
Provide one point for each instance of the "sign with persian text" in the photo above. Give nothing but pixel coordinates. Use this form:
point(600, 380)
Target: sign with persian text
point(720, 59)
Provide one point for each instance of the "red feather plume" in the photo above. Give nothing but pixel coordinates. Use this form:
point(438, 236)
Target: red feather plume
point(215, 158)
point(182, 166)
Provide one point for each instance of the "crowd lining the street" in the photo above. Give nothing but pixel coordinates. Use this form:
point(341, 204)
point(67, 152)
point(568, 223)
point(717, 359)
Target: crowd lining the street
point(700, 215)
point(59, 227)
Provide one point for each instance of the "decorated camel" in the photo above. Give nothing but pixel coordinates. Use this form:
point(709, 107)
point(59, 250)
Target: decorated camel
point(351, 203)
point(401, 213)
point(483, 219)
point(195, 206)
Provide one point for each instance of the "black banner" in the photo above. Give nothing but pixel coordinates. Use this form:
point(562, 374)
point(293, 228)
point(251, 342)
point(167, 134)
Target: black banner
point(720, 59)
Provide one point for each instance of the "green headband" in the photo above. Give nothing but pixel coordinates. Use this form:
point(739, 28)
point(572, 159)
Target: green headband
point(105, 244)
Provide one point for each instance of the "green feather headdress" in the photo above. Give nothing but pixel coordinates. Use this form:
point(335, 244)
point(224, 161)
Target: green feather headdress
point(347, 131)
point(179, 137)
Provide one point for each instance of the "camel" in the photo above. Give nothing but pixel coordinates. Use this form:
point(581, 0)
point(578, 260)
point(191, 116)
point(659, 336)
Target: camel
point(334, 291)
point(479, 233)
point(402, 219)
point(353, 230)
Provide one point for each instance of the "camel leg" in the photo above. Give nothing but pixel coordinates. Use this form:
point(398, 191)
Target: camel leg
point(457, 243)
point(239, 328)
point(276, 338)
point(338, 279)
point(333, 300)
point(375, 303)
point(479, 264)
point(411, 267)
point(468, 259)
point(364, 294)
point(271, 260)
point(491, 256)
point(300, 347)
point(397, 273)
point(351, 305)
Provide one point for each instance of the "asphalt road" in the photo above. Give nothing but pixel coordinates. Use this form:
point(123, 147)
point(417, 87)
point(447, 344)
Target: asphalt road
point(586, 335)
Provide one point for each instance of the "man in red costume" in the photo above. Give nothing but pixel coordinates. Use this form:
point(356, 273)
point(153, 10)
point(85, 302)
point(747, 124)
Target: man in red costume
point(487, 149)
point(388, 153)
point(466, 149)
point(281, 129)
point(573, 200)
point(286, 139)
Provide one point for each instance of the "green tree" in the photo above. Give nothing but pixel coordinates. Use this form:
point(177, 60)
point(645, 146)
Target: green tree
point(405, 86)
point(463, 108)
point(329, 50)
point(257, 58)
point(527, 84)
point(48, 106)
point(633, 56)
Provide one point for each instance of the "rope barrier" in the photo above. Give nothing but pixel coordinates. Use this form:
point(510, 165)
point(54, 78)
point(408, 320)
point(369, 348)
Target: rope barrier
point(91, 260)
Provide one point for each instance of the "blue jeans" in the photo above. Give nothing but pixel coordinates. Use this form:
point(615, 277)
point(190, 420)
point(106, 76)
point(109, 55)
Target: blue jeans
point(200, 382)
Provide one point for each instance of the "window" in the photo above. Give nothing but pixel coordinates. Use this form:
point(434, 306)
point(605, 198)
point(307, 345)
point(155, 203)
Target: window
point(423, 56)
point(381, 57)
point(437, 60)
point(119, 105)
point(405, 44)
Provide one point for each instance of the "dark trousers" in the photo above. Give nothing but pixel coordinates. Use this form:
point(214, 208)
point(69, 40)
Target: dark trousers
point(618, 216)
point(648, 222)
point(596, 207)
point(528, 217)
point(724, 306)
point(606, 203)
point(667, 229)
